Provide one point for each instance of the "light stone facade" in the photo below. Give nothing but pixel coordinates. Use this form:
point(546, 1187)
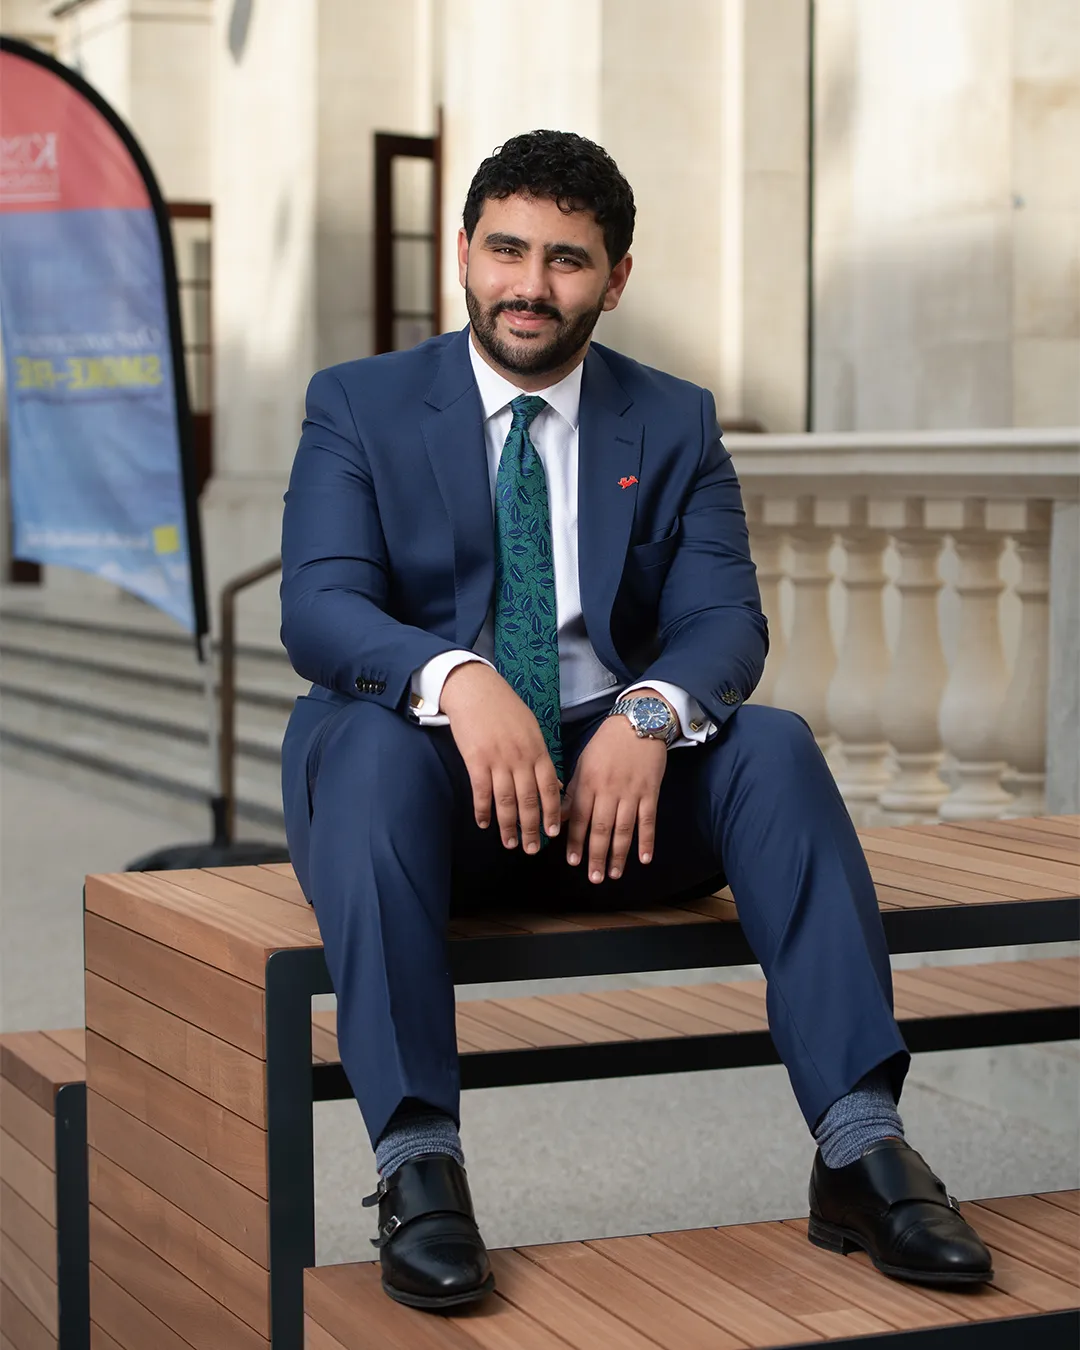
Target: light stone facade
point(907, 258)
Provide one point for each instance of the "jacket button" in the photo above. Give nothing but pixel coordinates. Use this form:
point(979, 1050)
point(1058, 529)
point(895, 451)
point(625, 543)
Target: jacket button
point(379, 687)
point(730, 697)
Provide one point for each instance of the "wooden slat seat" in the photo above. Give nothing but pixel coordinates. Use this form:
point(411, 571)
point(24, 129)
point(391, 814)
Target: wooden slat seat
point(199, 1046)
point(750, 1285)
point(624, 1017)
point(42, 1187)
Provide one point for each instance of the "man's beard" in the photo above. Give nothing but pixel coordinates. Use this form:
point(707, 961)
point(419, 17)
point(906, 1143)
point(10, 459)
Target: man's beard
point(540, 356)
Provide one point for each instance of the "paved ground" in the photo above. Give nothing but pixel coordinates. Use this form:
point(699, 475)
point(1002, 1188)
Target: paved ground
point(567, 1161)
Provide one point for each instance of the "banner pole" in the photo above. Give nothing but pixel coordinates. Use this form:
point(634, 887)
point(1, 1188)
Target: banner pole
point(218, 805)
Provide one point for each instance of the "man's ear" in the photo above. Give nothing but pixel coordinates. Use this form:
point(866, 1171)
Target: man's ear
point(462, 256)
point(620, 274)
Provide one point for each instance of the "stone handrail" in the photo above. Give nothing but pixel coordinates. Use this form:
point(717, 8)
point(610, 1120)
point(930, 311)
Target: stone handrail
point(880, 538)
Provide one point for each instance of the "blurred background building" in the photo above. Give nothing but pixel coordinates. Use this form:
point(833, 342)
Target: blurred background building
point(859, 224)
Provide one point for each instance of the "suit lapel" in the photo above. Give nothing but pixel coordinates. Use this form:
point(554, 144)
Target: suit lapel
point(453, 430)
point(609, 450)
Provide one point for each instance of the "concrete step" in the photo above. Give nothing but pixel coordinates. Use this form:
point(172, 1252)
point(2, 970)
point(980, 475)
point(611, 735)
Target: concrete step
point(117, 692)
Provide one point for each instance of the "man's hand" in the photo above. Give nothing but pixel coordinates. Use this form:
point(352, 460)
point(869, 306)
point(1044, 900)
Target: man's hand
point(615, 786)
point(504, 752)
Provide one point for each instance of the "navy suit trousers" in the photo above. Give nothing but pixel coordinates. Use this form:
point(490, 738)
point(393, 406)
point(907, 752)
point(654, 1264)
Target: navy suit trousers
point(380, 827)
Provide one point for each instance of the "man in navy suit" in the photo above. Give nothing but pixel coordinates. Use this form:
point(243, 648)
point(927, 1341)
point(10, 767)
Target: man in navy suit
point(516, 571)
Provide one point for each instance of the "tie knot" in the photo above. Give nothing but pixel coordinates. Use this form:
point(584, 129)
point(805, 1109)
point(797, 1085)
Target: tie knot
point(525, 408)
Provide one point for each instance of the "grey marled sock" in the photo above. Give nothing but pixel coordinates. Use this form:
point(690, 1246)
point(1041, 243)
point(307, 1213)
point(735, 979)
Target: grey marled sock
point(866, 1115)
point(416, 1128)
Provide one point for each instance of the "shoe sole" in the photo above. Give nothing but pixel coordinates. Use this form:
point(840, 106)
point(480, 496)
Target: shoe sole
point(831, 1237)
point(439, 1303)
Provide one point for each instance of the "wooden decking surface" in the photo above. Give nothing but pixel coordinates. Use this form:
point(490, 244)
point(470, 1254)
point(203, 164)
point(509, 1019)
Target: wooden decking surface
point(661, 1012)
point(754, 1285)
point(33, 1066)
point(232, 919)
point(176, 1071)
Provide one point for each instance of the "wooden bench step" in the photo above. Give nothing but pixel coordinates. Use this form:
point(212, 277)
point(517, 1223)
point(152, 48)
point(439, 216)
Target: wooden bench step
point(43, 1201)
point(734, 1288)
point(611, 1033)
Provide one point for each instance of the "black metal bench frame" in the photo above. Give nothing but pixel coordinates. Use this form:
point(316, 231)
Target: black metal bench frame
point(72, 1218)
point(294, 1084)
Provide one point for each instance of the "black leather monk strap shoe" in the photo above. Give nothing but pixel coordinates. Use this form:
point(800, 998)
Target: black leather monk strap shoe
point(891, 1205)
point(430, 1248)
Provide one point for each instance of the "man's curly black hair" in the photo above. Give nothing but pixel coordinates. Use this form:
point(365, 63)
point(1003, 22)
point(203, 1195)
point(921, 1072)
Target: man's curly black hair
point(575, 173)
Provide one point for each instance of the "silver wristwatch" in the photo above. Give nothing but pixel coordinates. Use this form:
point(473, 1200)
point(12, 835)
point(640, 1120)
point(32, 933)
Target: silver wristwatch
point(649, 716)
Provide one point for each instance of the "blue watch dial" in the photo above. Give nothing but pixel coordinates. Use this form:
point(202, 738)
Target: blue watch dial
point(651, 714)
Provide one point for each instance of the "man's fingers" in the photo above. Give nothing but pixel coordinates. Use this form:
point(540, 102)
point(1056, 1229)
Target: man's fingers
point(528, 808)
point(506, 805)
point(600, 827)
point(646, 829)
point(547, 781)
point(481, 794)
point(622, 836)
point(580, 812)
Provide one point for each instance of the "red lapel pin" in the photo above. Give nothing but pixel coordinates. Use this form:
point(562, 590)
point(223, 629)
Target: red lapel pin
point(627, 482)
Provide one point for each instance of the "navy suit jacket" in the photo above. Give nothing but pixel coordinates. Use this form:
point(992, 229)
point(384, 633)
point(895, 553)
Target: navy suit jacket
point(388, 542)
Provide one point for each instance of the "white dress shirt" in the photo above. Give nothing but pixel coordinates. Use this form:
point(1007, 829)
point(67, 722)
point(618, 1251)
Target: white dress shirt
point(585, 684)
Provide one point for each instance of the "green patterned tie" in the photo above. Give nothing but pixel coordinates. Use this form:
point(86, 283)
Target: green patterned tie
point(526, 620)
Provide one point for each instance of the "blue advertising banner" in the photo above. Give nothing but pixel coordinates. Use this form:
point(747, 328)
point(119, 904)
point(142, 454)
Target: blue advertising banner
point(101, 478)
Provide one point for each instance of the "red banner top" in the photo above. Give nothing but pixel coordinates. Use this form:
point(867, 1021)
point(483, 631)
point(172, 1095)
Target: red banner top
point(57, 152)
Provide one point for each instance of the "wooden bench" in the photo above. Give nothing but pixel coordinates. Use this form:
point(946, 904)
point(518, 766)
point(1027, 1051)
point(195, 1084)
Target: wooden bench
point(751, 1285)
point(199, 1047)
point(44, 1261)
point(521, 1040)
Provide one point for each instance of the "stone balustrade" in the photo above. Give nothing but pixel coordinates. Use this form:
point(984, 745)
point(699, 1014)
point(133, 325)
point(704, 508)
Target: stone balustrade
point(908, 582)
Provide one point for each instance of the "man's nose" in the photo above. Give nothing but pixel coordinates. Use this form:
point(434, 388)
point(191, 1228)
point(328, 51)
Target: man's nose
point(532, 282)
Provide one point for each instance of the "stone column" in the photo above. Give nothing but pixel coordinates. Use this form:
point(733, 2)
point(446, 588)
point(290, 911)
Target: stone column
point(300, 91)
point(493, 87)
point(912, 691)
point(913, 214)
point(971, 707)
point(767, 548)
point(703, 106)
point(1023, 729)
point(803, 682)
point(1063, 711)
point(854, 697)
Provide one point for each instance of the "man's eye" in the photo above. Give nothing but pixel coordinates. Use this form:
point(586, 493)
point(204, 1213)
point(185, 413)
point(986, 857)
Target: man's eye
point(570, 262)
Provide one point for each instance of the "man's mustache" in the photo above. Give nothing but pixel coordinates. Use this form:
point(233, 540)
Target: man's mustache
point(523, 307)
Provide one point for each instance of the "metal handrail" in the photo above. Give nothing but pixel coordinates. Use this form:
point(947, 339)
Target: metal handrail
point(226, 801)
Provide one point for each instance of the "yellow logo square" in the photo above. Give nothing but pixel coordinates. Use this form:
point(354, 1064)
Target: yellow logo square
point(166, 539)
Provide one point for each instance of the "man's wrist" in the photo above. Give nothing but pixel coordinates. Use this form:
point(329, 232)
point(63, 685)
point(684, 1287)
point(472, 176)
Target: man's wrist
point(646, 692)
point(642, 692)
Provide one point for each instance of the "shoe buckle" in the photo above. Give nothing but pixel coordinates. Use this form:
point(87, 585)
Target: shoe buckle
point(386, 1232)
point(376, 1195)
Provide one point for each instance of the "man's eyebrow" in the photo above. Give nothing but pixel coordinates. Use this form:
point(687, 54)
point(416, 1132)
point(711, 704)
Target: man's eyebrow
point(499, 240)
point(571, 251)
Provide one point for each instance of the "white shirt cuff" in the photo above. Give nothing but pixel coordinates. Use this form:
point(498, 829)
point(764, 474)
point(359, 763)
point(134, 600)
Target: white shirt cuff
point(426, 687)
point(694, 724)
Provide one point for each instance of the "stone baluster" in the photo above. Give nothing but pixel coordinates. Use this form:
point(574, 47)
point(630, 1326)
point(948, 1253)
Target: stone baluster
point(1023, 722)
point(854, 697)
point(803, 680)
point(912, 692)
point(767, 546)
point(971, 707)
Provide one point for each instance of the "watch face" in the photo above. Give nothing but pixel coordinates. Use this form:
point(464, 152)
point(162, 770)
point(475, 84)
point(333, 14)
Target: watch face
point(651, 714)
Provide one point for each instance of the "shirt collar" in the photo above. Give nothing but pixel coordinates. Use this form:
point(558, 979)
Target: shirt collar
point(497, 393)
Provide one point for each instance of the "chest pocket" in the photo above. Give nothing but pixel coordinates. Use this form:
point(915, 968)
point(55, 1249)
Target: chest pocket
point(655, 552)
